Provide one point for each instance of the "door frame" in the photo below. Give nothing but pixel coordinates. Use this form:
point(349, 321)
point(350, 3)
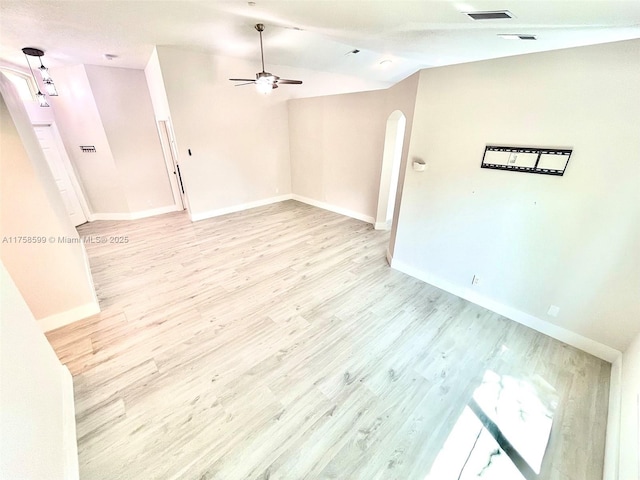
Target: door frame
point(68, 166)
point(170, 154)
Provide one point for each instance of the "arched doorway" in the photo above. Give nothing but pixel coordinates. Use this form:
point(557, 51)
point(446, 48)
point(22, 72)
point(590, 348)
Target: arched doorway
point(391, 158)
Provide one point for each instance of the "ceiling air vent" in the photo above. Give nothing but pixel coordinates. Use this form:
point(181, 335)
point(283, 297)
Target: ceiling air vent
point(517, 36)
point(493, 15)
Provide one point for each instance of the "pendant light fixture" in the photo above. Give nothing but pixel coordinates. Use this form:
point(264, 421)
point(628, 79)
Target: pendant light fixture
point(49, 86)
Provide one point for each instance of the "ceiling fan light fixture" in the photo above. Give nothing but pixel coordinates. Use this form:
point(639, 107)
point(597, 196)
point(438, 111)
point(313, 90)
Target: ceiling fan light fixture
point(265, 82)
point(264, 88)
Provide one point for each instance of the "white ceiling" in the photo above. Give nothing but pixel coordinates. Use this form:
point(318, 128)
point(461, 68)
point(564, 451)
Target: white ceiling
point(309, 34)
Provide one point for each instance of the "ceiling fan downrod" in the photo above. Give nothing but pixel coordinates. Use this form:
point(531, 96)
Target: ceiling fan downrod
point(260, 28)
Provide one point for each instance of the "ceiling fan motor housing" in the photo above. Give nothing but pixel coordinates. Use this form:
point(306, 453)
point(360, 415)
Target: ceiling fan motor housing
point(270, 77)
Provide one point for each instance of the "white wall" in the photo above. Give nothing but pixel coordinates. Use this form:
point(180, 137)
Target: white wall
point(337, 145)
point(38, 114)
point(124, 104)
point(53, 278)
point(155, 84)
point(239, 139)
point(111, 109)
point(330, 162)
point(79, 123)
point(37, 425)
point(630, 413)
point(533, 240)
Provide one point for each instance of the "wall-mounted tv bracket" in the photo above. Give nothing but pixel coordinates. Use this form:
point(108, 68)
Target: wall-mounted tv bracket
point(546, 161)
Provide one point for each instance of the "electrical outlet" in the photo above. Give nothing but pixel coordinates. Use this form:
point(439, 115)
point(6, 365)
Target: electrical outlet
point(475, 280)
point(553, 311)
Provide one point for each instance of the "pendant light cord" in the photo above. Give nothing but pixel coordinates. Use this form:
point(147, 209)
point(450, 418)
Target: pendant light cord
point(32, 74)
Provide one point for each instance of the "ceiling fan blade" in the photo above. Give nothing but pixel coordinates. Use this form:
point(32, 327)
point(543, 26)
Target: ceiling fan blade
point(242, 79)
point(290, 82)
point(246, 83)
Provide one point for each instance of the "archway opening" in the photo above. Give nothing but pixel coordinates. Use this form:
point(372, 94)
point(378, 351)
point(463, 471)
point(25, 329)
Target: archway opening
point(390, 173)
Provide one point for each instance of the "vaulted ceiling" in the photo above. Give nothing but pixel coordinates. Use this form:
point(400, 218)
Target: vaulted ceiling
point(394, 37)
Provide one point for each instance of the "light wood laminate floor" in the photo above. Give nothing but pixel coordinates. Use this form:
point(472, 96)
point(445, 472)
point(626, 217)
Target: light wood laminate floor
point(276, 343)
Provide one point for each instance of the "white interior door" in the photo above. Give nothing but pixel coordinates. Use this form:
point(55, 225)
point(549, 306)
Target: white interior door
point(55, 160)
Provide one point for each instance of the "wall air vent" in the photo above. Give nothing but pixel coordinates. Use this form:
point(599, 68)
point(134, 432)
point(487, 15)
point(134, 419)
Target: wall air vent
point(492, 15)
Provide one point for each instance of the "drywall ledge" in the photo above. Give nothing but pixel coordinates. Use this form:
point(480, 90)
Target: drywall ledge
point(71, 467)
point(36, 405)
point(585, 344)
point(612, 442)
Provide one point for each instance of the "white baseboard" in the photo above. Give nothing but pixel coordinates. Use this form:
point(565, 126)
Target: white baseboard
point(559, 333)
point(334, 208)
point(69, 439)
point(267, 201)
point(65, 318)
point(237, 208)
point(389, 256)
point(154, 211)
point(612, 444)
point(382, 225)
point(108, 216)
point(134, 215)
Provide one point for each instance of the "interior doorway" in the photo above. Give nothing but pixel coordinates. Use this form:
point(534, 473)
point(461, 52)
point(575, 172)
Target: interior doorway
point(390, 174)
point(60, 166)
point(169, 150)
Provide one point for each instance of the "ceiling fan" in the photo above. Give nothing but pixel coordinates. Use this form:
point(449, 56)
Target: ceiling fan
point(264, 81)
